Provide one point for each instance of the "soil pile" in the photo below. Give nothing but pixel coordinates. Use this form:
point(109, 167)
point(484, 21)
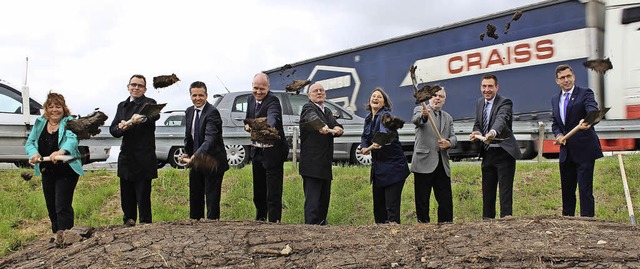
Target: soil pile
point(514, 242)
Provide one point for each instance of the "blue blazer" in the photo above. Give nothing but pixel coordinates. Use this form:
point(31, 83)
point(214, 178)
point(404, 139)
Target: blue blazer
point(583, 145)
point(209, 134)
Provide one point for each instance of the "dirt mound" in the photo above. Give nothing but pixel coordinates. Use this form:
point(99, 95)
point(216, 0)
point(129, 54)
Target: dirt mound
point(519, 242)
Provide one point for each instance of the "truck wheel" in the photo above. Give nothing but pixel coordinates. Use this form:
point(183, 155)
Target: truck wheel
point(174, 154)
point(237, 155)
point(359, 159)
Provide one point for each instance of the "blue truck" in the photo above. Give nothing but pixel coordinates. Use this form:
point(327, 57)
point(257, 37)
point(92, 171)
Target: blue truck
point(524, 58)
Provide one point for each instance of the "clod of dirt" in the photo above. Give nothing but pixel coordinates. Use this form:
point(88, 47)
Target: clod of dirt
point(203, 162)
point(599, 65)
point(482, 37)
point(506, 27)
point(87, 126)
point(516, 16)
point(491, 31)
point(261, 132)
point(426, 92)
point(164, 81)
point(26, 176)
point(391, 122)
point(297, 85)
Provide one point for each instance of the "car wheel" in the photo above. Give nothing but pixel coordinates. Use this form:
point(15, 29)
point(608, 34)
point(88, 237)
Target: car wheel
point(358, 158)
point(174, 154)
point(236, 155)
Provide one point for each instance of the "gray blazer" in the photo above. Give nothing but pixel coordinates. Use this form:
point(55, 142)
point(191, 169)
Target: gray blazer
point(500, 121)
point(425, 150)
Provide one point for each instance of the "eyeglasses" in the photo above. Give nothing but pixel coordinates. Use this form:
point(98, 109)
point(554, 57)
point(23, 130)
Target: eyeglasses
point(569, 76)
point(442, 96)
point(136, 85)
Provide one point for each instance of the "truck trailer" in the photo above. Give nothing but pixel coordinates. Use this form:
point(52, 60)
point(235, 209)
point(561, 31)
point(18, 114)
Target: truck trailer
point(523, 57)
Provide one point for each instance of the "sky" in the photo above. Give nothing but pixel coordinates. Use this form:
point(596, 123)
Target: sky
point(88, 50)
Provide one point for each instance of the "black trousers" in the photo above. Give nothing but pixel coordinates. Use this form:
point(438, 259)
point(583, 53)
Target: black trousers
point(58, 195)
point(441, 184)
point(498, 169)
point(204, 186)
point(317, 193)
point(135, 196)
point(386, 202)
point(267, 190)
point(580, 174)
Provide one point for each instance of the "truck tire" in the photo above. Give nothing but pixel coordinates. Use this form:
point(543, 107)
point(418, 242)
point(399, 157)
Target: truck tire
point(174, 154)
point(357, 158)
point(237, 155)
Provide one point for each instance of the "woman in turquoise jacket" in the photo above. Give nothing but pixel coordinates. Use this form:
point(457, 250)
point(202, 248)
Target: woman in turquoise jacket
point(50, 138)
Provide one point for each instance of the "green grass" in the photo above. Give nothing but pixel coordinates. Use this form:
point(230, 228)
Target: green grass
point(97, 198)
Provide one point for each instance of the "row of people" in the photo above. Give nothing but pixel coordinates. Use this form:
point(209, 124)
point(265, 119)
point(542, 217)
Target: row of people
point(430, 161)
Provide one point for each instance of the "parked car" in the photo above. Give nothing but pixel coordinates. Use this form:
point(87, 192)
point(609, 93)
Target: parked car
point(233, 107)
point(16, 126)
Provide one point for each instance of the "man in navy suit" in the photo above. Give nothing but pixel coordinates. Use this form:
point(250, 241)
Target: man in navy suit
point(579, 153)
point(493, 121)
point(267, 162)
point(203, 139)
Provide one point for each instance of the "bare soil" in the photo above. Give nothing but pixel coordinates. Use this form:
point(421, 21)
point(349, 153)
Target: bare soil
point(514, 242)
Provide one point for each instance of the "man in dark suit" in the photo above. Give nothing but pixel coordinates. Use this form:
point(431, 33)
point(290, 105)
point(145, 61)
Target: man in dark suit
point(203, 140)
point(430, 161)
point(267, 162)
point(578, 155)
point(493, 122)
point(137, 162)
point(316, 155)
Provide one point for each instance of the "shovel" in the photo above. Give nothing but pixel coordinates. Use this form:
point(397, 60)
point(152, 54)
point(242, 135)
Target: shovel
point(412, 72)
point(592, 117)
point(148, 110)
point(381, 139)
point(317, 125)
point(63, 158)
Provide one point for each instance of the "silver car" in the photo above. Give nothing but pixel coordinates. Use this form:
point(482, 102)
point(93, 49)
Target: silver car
point(233, 107)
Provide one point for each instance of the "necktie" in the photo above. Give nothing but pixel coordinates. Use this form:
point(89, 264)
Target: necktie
point(257, 106)
point(485, 123)
point(485, 119)
point(564, 108)
point(438, 118)
point(196, 132)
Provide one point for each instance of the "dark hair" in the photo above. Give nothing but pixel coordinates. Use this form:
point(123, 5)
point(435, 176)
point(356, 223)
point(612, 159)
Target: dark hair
point(55, 99)
point(198, 84)
point(561, 68)
point(387, 101)
point(140, 77)
point(490, 76)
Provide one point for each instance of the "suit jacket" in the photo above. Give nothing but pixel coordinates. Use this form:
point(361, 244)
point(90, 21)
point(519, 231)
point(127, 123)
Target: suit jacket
point(501, 119)
point(389, 165)
point(583, 145)
point(137, 159)
point(426, 150)
point(316, 149)
point(209, 134)
point(271, 109)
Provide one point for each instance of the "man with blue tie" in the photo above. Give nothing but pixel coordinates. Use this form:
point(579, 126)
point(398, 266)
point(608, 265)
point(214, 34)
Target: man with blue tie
point(578, 153)
point(203, 139)
point(499, 148)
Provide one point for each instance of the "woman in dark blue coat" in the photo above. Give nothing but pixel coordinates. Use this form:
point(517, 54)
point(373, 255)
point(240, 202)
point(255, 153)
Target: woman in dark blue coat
point(389, 168)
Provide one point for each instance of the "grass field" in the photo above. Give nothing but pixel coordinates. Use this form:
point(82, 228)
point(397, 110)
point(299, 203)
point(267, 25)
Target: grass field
point(97, 200)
